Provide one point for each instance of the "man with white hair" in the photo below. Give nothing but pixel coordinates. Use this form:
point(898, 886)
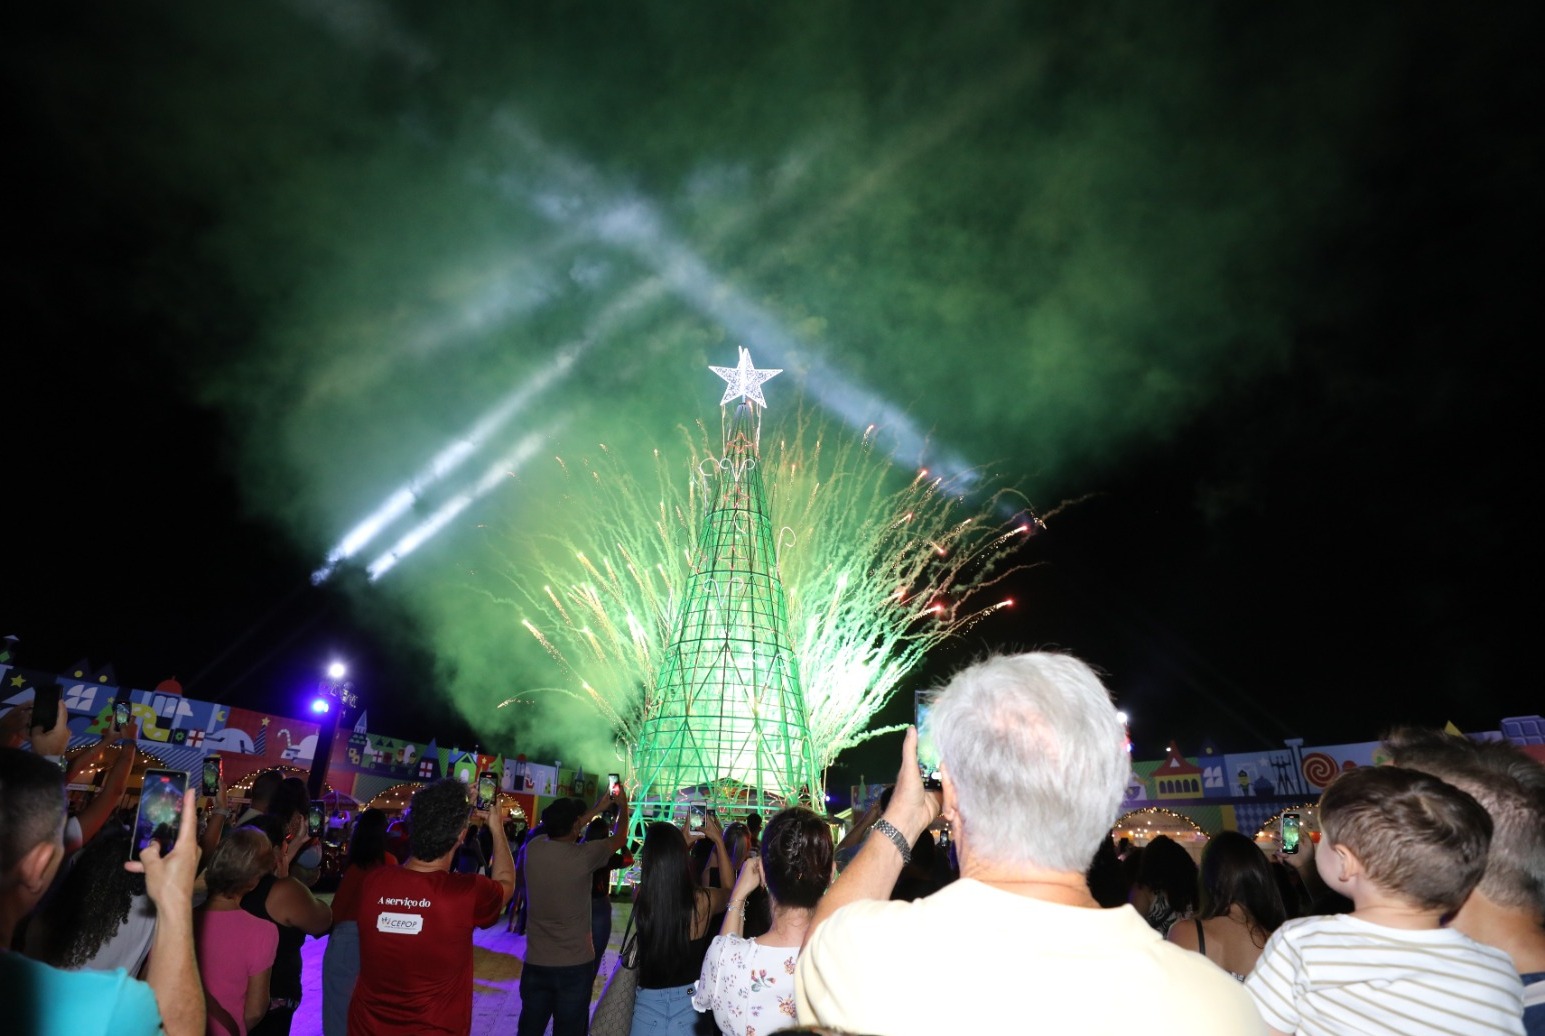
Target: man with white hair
point(1034, 768)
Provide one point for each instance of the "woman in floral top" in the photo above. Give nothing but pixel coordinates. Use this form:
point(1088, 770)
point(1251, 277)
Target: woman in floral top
point(748, 984)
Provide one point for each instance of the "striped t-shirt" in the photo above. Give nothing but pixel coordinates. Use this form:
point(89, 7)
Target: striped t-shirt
point(1337, 975)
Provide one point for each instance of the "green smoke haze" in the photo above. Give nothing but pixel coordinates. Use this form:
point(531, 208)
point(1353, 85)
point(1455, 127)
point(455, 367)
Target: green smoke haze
point(1038, 240)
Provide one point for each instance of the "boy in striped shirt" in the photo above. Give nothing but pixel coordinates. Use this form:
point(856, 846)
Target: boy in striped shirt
point(1407, 849)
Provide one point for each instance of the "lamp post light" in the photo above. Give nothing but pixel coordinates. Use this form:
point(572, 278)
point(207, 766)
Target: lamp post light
point(334, 695)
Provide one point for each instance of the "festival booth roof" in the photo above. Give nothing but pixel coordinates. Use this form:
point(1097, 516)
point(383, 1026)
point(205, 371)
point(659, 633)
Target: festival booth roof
point(335, 800)
point(394, 799)
point(398, 797)
point(171, 757)
point(240, 787)
point(150, 755)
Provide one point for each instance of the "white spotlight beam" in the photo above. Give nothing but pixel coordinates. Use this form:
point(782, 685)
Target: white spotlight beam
point(636, 226)
point(577, 197)
point(501, 469)
point(449, 459)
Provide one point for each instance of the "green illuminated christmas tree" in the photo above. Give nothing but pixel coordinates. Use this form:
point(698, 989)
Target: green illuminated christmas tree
point(726, 720)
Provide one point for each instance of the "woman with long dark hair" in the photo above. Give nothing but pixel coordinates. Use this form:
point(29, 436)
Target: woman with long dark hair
point(748, 984)
point(340, 964)
point(1165, 891)
point(99, 918)
point(672, 912)
point(1240, 905)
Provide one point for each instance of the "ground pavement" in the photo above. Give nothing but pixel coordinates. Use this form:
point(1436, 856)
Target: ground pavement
point(496, 957)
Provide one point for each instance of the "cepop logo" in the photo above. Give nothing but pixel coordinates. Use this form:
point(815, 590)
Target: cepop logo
point(399, 924)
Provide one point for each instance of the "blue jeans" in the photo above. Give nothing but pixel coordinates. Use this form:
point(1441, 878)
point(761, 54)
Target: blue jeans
point(561, 994)
point(600, 927)
point(340, 970)
point(668, 1012)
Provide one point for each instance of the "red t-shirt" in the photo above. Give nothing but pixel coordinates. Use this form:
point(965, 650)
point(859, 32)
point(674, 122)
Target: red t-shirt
point(346, 899)
point(415, 949)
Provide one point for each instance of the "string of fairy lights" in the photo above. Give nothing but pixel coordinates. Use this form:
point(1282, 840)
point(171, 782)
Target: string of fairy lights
point(1132, 825)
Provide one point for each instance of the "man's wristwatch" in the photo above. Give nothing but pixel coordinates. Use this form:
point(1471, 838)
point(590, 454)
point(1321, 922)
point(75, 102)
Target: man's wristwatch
point(899, 840)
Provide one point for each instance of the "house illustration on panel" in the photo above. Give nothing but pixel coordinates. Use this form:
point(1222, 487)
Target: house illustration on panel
point(1175, 778)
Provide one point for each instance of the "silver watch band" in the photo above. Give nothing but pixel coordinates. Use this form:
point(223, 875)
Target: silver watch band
point(899, 840)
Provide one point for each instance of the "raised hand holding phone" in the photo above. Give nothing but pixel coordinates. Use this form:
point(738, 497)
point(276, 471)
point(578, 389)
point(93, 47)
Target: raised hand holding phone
point(295, 841)
point(159, 817)
point(212, 783)
point(487, 791)
point(316, 819)
point(128, 732)
point(171, 871)
point(911, 796)
point(50, 723)
point(750, 878)
point(45, 706)
point(172, 971)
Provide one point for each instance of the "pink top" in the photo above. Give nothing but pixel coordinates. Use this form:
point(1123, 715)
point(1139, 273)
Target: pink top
point(232, 946)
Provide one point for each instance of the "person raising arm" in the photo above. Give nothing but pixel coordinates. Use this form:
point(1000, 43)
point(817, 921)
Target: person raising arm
point(172, 971)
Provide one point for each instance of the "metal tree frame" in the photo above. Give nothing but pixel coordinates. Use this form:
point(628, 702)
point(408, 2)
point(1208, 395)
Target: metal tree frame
point(726, 721)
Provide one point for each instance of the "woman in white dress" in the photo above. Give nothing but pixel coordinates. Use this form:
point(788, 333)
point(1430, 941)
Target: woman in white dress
point(748, 984)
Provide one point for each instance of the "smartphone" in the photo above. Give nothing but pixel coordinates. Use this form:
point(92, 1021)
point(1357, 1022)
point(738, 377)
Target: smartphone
point(45, 706)
point(613, 783)
point(316, 817)
point(696, 813)
point(211, 775)
point(160, 811)
point(931, 780)
point(120, 714)
point(1290, 829)
point(487, 790)
point(928, 754)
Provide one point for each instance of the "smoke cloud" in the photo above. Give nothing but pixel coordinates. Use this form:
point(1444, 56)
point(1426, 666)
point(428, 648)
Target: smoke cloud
point(1037, 238)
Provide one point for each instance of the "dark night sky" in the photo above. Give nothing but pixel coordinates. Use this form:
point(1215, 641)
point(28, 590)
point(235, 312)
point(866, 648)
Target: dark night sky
point(1255, 295)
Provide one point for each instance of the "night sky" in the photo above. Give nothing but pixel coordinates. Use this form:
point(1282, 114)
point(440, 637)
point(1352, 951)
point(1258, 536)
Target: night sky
point(1243, 299)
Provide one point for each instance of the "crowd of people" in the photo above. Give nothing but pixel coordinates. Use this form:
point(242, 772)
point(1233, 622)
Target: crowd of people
point(996, 899)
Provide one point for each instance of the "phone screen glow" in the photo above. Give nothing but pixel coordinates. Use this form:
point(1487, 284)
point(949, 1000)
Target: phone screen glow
point(1289, 833)
point(160, 810)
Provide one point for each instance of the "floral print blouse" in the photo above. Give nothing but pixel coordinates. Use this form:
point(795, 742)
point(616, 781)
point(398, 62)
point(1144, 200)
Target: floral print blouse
point(748, 987)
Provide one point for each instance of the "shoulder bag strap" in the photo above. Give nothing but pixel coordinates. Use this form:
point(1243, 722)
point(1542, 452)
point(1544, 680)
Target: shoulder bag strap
point(627, 950)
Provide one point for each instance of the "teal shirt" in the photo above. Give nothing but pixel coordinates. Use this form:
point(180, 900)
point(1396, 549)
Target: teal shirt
point(49, 1002)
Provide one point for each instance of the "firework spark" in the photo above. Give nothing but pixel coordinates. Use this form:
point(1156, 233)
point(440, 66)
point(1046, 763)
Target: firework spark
point(875, 576)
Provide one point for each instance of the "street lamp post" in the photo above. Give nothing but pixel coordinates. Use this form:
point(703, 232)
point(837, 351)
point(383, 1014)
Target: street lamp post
point(334, 694)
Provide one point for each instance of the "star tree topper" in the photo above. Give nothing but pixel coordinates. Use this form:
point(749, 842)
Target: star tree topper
point(745, 381)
